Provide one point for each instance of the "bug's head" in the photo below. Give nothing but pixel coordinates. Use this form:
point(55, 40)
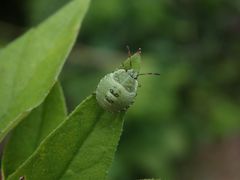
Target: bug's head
point(132, 73)
point(126, 78)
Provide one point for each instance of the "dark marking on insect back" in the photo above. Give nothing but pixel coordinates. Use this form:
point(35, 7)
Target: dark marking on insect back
point(113, 93)
point(109, 100)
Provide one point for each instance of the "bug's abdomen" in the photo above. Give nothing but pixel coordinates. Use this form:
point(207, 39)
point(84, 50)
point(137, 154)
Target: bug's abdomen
point(112, 96)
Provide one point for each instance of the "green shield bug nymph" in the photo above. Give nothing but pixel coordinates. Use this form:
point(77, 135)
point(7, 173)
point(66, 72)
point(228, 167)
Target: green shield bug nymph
point(117, 90)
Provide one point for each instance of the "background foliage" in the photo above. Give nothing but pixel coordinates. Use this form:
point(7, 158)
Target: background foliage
point(184, 124)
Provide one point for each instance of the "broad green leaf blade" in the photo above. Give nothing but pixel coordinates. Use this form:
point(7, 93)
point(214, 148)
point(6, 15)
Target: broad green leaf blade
point(133, 62)
point(30, 65)
point(27, 136)
point(81, 148)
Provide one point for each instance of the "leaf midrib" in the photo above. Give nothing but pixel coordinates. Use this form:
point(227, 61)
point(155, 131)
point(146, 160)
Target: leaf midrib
point(81, 144)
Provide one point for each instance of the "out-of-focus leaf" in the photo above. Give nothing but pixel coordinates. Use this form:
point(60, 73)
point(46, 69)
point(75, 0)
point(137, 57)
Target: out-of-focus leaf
point(81, 148)
point(27, 136)
point(38, 10)
point(30, 65)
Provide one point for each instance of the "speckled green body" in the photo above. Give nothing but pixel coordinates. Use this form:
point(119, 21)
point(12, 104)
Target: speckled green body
point(116, 91)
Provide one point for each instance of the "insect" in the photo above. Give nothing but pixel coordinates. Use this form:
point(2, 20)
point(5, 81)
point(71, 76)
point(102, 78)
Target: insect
point(117, 90)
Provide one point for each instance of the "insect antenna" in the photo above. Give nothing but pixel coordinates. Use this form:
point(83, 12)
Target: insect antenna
point(129, 55)
point(144, 74)
point(129, 51)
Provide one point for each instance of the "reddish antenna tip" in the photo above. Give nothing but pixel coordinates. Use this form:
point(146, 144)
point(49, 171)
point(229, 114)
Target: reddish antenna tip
point(139, 50)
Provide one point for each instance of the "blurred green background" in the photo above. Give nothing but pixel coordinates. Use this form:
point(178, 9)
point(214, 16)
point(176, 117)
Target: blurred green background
point(185, 124)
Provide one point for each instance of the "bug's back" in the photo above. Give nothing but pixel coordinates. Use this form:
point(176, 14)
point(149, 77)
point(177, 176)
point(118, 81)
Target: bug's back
point(117, 90)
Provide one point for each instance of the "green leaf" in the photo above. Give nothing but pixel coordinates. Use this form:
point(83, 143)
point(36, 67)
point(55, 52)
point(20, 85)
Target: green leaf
point(30, 65)
point(80, 148)
point(27, 136)
point(133, 62)
point(37, 10)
